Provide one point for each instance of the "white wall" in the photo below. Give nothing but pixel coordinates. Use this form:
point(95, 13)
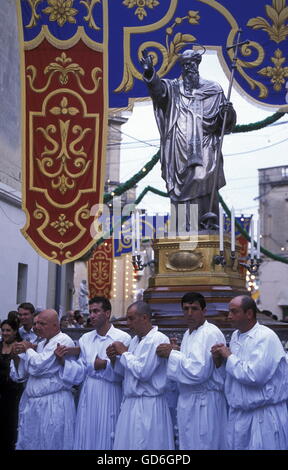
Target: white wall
point(15, 249)
point(273, 286)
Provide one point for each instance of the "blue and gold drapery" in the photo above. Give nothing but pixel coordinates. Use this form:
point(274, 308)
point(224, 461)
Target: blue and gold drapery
point(167, 27)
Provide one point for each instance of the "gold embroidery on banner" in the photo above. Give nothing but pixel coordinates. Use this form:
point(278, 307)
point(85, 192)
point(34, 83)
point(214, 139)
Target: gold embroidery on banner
point(180, 40)
point(128, 66)
point(48, 162)
point(64, 109)
point(124, 238)
point(64, 68)
point(42, 213)
point(61, 11)
point(276, 73)
point(141, 4)
point(98, 172)
point(246, 50)
point(65, 177)
point(169, 53)
point(100, 269)
point(34, 16)
point(62, 225)
point(278, 14)
point(89, 4)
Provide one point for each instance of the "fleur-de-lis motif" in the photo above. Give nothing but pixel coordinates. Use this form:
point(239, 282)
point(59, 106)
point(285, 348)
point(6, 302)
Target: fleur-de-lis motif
point(141, 4)
point(278, 14)
point(64, 66)
point(62, 225)
point(277, 73)
point(61, 11)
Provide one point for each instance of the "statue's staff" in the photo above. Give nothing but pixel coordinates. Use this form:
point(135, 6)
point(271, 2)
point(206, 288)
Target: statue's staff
point(218, 156)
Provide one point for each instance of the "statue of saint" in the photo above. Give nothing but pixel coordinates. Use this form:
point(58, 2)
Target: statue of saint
point(83, 297)
point(189, 113)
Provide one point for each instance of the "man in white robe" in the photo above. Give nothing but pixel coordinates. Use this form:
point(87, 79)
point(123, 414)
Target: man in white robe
point(256, 383)
point(47, 408)
point(144, 422)
point(101, 392)
point(201, 407)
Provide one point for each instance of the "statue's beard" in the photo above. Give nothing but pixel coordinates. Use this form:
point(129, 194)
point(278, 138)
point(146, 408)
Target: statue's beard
point(191, 80)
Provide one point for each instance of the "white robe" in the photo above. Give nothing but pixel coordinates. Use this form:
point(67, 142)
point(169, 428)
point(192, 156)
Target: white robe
point(101, 392)
point(256, 388)
point(47, 408)
point(144, 422)
point(201, 408)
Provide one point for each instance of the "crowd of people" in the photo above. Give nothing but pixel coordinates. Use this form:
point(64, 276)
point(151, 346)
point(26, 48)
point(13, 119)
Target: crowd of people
point(229, 396)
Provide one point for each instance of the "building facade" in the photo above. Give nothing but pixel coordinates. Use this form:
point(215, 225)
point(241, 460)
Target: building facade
point(273, 275)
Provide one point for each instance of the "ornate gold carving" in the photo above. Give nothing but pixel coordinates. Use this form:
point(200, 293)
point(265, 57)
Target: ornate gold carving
point(184, 261)
point(277, 73)
point(89, 4)
point(65, 179)
point(63, 66)
point(34, 16)
point(169, 53)
point(141, 4)
point(61, 11)
point(278, 14)
point(62, 225)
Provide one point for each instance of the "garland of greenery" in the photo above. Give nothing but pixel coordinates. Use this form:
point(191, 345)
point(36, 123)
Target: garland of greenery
point(255, 126)
point(246, 235)
point(282, 259)
point(148, 167)
point(122, 188)
point(268, 253)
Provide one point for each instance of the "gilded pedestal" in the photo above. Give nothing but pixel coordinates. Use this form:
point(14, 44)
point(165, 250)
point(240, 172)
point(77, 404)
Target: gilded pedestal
point(186, 264)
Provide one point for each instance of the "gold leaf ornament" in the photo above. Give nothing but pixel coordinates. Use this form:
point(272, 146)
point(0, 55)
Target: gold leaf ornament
point(140, 6)
point(276, 73)
point(193, 17)
point(61, 11)
point(278, 14)
point(62, 225)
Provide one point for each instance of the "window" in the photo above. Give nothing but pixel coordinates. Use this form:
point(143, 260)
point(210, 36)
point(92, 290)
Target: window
point(285, 311)
point(22, 283)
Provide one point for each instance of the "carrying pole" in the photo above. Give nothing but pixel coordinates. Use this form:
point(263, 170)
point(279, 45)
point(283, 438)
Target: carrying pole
point(218, 156)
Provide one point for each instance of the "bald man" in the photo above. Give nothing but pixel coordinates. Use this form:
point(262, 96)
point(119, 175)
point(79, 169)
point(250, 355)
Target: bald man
point(47, 409)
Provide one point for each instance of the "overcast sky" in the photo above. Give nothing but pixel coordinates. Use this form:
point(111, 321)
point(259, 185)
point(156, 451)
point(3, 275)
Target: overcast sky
point(243, 153)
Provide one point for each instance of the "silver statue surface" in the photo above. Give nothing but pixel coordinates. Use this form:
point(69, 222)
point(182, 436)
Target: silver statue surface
point(83, 297)
point(189, 113)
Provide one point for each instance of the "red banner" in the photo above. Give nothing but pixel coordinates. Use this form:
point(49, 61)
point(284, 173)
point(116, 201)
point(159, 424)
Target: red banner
point(64, 123)
point(100, 270)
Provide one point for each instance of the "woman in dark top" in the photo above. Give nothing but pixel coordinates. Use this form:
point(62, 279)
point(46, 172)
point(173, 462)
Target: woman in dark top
point(10, 392)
